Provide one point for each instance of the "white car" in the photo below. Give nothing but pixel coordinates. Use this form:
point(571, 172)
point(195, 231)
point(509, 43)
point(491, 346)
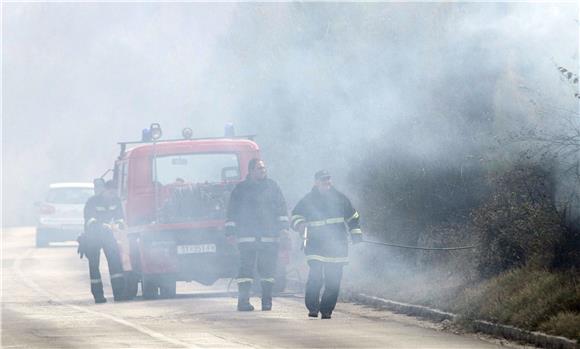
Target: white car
point(60, 215)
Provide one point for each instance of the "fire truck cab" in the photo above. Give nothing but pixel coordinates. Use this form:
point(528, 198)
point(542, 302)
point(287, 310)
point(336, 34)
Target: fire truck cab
point(175, 195)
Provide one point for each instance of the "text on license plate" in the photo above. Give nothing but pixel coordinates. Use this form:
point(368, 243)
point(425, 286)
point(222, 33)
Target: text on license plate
point(205, 248)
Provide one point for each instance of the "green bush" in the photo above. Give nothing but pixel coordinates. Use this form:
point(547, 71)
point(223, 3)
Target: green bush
point(519, 224)
point(522, 297)
point(565, 324)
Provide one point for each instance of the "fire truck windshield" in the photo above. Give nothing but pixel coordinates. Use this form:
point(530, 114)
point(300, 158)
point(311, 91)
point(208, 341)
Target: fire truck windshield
point(197, 168)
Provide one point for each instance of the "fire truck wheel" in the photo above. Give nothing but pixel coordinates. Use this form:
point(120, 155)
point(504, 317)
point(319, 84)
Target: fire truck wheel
point(168, 287)
point(131, 284)
point(150, 287)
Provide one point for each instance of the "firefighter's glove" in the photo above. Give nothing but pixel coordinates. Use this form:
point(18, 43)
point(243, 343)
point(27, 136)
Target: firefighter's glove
point(82, 248)
point(356, 239)
point(301, 229)
point(230, 228)
point(231, 239)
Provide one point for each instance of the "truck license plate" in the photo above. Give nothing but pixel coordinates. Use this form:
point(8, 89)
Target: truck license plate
point(205, 248)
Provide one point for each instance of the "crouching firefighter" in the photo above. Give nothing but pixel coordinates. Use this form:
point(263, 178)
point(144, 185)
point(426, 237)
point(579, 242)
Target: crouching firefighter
point(256, 215)
point(103, 213)
point(324, 218)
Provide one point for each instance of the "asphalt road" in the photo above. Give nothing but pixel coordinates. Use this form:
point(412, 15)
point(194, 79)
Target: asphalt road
point(46, 303)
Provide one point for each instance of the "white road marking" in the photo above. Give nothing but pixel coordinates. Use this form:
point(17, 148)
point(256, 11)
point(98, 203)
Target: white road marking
point(56, 299)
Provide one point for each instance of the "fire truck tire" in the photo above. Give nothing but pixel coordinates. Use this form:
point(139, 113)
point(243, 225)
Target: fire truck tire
point(168, 287)
point(131, 285)
point(150, 287)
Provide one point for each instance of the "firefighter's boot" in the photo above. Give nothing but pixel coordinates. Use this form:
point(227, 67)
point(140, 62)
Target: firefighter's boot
point(266, 296)
point(118, 285)
point(244, 297)
point(97, 291)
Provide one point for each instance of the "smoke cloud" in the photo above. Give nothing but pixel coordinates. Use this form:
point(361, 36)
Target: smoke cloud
point(321, 84)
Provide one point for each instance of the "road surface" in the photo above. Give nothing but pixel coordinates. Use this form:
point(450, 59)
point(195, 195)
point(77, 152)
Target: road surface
point(46, 303)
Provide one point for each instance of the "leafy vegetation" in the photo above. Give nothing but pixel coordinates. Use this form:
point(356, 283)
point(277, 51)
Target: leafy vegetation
point(522, 215)
point(522, 297)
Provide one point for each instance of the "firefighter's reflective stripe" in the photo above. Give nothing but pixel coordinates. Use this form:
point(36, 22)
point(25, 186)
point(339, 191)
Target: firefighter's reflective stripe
point(297, 219)
point(336, 220)
point(112, 207)
point(100, 208)
point(91, 221)
point(355, 231)
point(270, 280)
point(243, 280)
point(120, 220)
point(283, 218)
point(354, 216)
point(254, 239)
point(327, 259)
point(96, 281)
point(116, 276)
point(230, 224)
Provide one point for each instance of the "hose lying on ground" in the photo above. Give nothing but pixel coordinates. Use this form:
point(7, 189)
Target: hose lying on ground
point(419, 247)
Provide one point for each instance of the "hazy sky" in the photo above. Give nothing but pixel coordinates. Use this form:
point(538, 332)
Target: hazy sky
point(317, 82)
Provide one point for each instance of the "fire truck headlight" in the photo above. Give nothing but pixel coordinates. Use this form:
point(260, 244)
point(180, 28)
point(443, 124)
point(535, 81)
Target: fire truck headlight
point(155, 131)
point(187, 133)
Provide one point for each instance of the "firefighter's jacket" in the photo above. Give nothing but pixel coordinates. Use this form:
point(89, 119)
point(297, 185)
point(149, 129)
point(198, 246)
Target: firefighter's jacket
point(100, 210)
point(329, 218)
point(256, 211)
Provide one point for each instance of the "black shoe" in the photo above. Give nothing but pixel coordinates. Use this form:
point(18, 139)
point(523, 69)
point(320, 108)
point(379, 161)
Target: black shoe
point(266, 304)
point(313, 314)
point(245, 307)
point(100, 300)
point(325, 316)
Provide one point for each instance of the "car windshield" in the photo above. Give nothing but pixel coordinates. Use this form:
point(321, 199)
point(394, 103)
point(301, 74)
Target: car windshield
point(75, 196)
point(197, 168)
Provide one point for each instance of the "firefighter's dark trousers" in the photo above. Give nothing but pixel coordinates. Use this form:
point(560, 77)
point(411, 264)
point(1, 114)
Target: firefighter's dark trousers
point(329, 275)
point(265, 256)
point(104, 239)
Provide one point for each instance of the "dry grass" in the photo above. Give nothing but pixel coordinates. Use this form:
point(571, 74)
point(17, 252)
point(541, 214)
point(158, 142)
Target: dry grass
point(565, 324)
point(522, 297)
point(525, 298)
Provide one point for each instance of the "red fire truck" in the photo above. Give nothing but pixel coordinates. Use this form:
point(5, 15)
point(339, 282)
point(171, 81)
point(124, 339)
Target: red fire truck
point(175, 194)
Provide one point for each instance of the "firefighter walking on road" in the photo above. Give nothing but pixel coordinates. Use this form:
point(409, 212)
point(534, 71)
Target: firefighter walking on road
point(256, 215)
point(323, 217)
point(103, 213)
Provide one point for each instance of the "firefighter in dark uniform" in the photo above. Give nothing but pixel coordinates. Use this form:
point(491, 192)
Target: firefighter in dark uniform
point(256, 215)
point(325, 217)
point(103, 213)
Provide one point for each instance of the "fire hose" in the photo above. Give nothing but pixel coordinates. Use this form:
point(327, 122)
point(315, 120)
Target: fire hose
point(420, 247)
